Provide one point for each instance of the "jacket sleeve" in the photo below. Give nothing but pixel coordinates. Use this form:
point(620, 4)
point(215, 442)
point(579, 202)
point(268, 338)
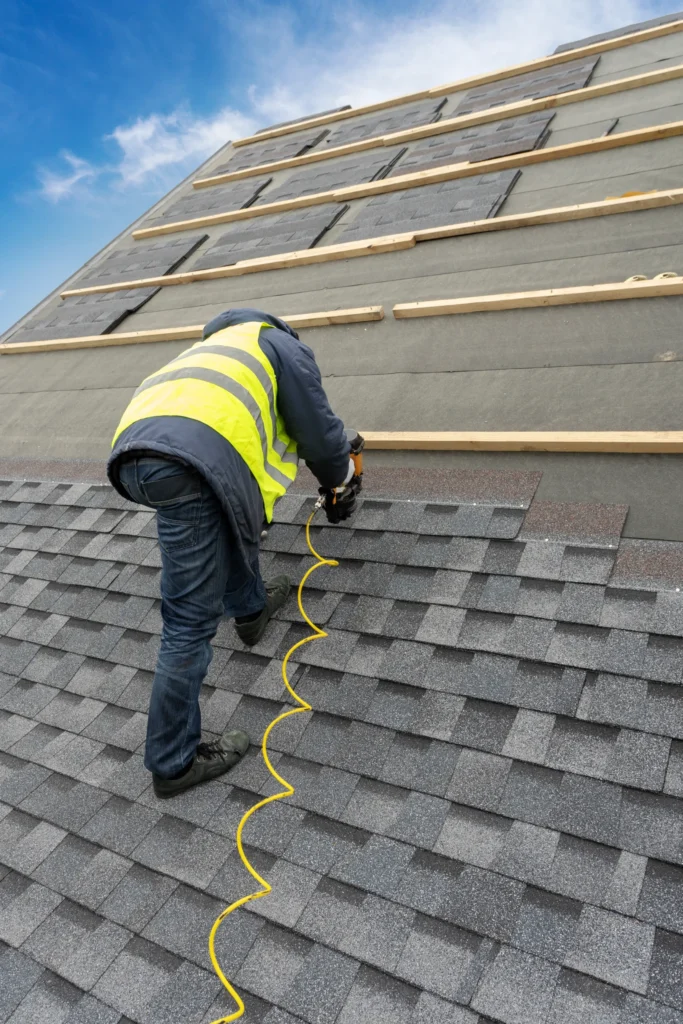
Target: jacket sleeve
point(305, 409)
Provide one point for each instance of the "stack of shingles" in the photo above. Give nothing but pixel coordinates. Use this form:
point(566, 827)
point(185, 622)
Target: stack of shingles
point(487, 820)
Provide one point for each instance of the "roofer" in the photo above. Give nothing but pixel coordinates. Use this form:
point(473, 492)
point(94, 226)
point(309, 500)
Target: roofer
point(210, 441)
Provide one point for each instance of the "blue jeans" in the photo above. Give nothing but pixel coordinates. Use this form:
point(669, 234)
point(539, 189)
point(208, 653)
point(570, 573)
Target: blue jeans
point(204, 576)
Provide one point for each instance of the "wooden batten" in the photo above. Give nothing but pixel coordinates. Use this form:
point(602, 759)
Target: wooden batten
point(362, 314)
point(545, 297)
point(616, 441)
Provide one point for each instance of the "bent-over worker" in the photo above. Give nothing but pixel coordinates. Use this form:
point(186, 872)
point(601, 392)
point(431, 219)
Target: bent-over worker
point(211, 441)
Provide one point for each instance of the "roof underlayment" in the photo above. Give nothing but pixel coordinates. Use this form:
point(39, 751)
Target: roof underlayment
point(487, 826)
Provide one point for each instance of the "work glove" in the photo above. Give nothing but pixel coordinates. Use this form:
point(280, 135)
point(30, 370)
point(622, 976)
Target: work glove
point(339, 503)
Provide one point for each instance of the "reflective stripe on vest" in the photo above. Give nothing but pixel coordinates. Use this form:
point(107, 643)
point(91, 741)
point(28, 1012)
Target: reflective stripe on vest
point(230, 386)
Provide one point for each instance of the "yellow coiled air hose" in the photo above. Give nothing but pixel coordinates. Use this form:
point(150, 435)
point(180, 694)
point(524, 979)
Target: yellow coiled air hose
point(288, 790)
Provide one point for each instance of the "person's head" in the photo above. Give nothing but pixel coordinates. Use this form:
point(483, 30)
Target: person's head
point(231, 317)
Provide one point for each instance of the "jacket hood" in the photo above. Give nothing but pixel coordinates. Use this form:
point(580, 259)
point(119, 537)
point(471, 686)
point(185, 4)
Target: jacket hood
point(231, 317)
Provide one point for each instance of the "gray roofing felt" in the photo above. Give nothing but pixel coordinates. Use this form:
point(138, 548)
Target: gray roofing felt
point(487, 819)
point(617, 32)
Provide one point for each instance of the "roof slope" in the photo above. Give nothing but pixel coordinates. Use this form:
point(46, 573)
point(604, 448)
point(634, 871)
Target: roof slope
point(487, 818)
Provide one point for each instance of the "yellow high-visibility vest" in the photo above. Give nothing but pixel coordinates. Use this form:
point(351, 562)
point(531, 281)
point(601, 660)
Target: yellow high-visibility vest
point(228, 384)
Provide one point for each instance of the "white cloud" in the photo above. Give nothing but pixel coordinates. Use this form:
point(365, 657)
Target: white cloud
point(372, 57)
point(153, 151)
point(55, 186)
point(365, 57)
point(154, 144)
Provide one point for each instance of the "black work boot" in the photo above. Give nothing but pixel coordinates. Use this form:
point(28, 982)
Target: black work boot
point(251, 630)
point(211, 760)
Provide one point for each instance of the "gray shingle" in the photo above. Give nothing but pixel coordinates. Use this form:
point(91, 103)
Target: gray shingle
point(439, 957)
point(518, 988)
point(273, 962)
point(190, 854)
point(377, 932)
point(378, 998)
point(19, 974)
point(137, 897)
point(51, 1001)
point(427, 881)
point(321, 789)
point(660, 902)
point(538, 598)
point(666, 970)
point(79, 636)
point(578, 998)
point(293, 886)
point(616, 700)
point(54, 667)
point(489, 676)
point(127, 610)
point(527, 853)
point(118, 726)
point(377, 866)
point(25, 906)
point(582, 747)
point(613, 948)
point(320, 988)
point(375, 806)
point(77, 944)
point(442, 625)
point(65, 802)
point(332, 912)
point(484, 725)
point(581, 603)
point(82, 871)
point(139, 650)
point(663, 659)
point(70, 711)
point(319, 843)
point(26, 698)
point(484, 902)
point(19, 778)
point(120, 825)
point(587, 565)
point(480, 779)
point(674, 774)
point(420, 820)
point(473, 836)
point(15, 654)
point(651, 825)
point(588, 807)
point(582, 869)
point(529, 737)
point(531, 793)
point(421, 764)
point(22, 590)
point(118, 772)
point(183, 923)
point(26, 841)
point(626, 884)
point(639, 760)
point(146, 983)
point(547, 925)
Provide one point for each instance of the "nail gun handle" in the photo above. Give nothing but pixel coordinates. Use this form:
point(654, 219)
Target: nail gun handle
point(357, 445)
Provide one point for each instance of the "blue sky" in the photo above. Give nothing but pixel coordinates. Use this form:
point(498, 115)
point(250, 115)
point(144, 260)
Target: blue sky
point(105, 106)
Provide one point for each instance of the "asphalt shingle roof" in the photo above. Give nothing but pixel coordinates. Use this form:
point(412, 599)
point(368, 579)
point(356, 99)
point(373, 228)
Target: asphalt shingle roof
point(487, 819)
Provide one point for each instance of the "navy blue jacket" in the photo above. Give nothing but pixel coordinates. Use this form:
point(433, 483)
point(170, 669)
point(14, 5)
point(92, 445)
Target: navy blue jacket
point(302, 403)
